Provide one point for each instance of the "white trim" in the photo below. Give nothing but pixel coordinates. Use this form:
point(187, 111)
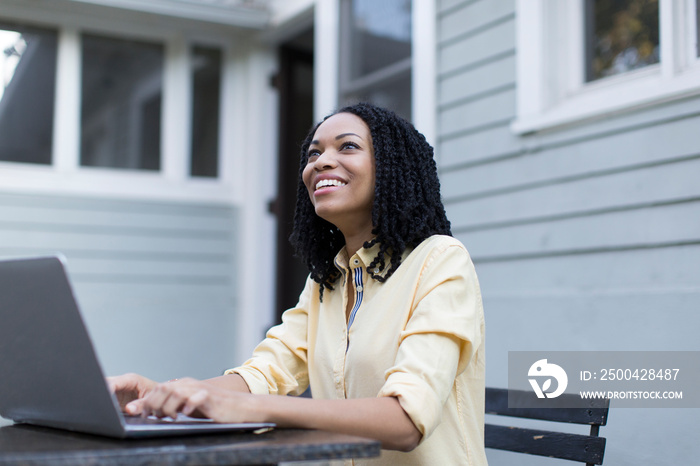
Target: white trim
point(258, 172)
point(550, 75)
point(176, 110)
point(326, 61)
point(108, 183)
point(424, 66)
point(214, 12)
point(66, 116)
point(232, 116)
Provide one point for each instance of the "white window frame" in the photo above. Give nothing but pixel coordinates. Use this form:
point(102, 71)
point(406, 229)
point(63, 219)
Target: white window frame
point(173, 181)
point(552, 91)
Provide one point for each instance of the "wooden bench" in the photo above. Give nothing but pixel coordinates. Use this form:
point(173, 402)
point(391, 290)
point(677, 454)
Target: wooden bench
point(587, 449)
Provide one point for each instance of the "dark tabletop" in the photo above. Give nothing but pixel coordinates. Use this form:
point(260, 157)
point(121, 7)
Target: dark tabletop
point(29, 445)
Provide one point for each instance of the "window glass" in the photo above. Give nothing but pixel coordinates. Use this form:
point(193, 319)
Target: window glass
point(395, 95)
point(622, 35)
point(206, 92)
point(27, 90)
point(122, 86)
point(376, 54)
point(380, 34)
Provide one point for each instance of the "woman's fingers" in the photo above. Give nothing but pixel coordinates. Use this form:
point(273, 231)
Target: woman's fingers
point(168, 399)
point(129, 387)
point(134, 408)
point(197, 402)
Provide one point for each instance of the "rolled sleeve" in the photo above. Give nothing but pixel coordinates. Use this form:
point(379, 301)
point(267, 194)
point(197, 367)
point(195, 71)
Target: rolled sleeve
point(439, 340)
point(422, 384)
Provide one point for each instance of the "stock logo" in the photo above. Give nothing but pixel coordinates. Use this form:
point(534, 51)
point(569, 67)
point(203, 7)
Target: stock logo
point(546, 372)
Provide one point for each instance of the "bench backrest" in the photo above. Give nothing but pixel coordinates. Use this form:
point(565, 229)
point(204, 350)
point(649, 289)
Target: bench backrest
point(587, 449)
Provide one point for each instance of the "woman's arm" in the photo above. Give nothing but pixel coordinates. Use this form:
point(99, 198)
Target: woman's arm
point(379, 418)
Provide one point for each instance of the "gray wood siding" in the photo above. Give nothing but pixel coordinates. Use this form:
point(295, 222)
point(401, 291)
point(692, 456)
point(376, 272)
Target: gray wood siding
point(584, 238)
point(152, 278)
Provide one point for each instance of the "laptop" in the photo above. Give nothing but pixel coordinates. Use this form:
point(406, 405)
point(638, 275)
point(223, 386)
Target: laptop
point(49, 372)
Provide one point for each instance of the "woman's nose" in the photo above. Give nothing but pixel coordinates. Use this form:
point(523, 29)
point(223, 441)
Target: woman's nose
point(325, 160)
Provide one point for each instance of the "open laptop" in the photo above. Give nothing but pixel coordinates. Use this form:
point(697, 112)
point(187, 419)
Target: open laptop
point(49, 372)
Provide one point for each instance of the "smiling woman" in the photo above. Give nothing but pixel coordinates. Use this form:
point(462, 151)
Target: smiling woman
point(394, 348)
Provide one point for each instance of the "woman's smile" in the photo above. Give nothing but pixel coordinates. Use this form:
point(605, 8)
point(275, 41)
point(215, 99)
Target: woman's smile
point(325, 185)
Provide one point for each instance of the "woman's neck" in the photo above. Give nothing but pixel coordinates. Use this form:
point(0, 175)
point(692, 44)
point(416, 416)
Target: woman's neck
point(354, 243)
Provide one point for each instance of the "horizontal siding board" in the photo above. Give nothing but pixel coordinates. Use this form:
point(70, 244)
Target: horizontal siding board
point(615, 123)
point(661, 225)
point(614, 152)
point(667, 270)
point(650, 185)
point(491, 143)
point(448, 6)
point(115, 205)
point(472, 83)
point(474, 49)
point(140, 267)
point(95, 295)
point(72, 241)
point(477, 113)
point(473, 16)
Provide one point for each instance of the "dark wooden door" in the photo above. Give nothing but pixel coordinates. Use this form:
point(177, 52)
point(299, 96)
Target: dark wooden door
point(295, 85)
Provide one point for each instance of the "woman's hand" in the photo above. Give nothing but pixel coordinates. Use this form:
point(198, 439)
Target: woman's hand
point(130, 387)
point(198, 399)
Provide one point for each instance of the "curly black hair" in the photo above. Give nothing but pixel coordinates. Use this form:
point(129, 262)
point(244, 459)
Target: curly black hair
point(407, 206)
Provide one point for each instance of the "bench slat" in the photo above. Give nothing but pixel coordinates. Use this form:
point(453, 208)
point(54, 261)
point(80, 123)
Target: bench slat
point(583, 448)
point(591, 412)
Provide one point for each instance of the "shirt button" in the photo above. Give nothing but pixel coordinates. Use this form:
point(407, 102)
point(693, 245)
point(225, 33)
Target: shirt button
point(356, 261)
point(359, 288)
point(376, 271)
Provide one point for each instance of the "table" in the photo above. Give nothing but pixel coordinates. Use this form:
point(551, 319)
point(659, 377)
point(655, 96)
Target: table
point(30, 445)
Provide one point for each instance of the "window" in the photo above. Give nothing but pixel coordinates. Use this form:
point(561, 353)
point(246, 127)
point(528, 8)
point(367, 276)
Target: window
point(206, 92)
point(122, 86)
point(620, 36)
point(375, 55)
point(27, 91)
point(584, 59)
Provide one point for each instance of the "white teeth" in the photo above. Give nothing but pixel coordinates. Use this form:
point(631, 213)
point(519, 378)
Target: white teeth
point(324, 183)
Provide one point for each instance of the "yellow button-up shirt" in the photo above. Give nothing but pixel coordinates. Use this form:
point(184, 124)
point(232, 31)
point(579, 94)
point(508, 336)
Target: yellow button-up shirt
point(419, 337)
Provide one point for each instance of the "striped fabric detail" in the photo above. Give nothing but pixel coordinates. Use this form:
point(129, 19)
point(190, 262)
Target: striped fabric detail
point(358, 296)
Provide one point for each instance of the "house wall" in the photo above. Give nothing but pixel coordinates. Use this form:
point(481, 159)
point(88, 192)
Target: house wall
point(585, 237)
point(157, 282)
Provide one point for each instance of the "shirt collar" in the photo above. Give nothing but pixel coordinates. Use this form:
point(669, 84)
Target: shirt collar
point(364, 255)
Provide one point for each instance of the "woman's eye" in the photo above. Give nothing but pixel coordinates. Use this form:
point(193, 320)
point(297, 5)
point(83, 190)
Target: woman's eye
point(312, 155)
point(349, 145)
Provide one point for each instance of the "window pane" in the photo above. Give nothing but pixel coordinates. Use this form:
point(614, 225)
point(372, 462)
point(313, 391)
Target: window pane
point(623, 35)
point(380, 34)
point(27, 90)
point(206, 92)
point(395, 95)
point(122, 89)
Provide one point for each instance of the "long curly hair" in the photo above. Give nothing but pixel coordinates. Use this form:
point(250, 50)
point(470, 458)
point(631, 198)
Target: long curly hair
point(407, 206)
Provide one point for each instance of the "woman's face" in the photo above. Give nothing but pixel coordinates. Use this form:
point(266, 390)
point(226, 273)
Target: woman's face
point(340, 172)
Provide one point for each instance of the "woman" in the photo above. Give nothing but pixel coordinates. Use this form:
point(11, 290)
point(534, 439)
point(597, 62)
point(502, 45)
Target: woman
point(389, 329)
